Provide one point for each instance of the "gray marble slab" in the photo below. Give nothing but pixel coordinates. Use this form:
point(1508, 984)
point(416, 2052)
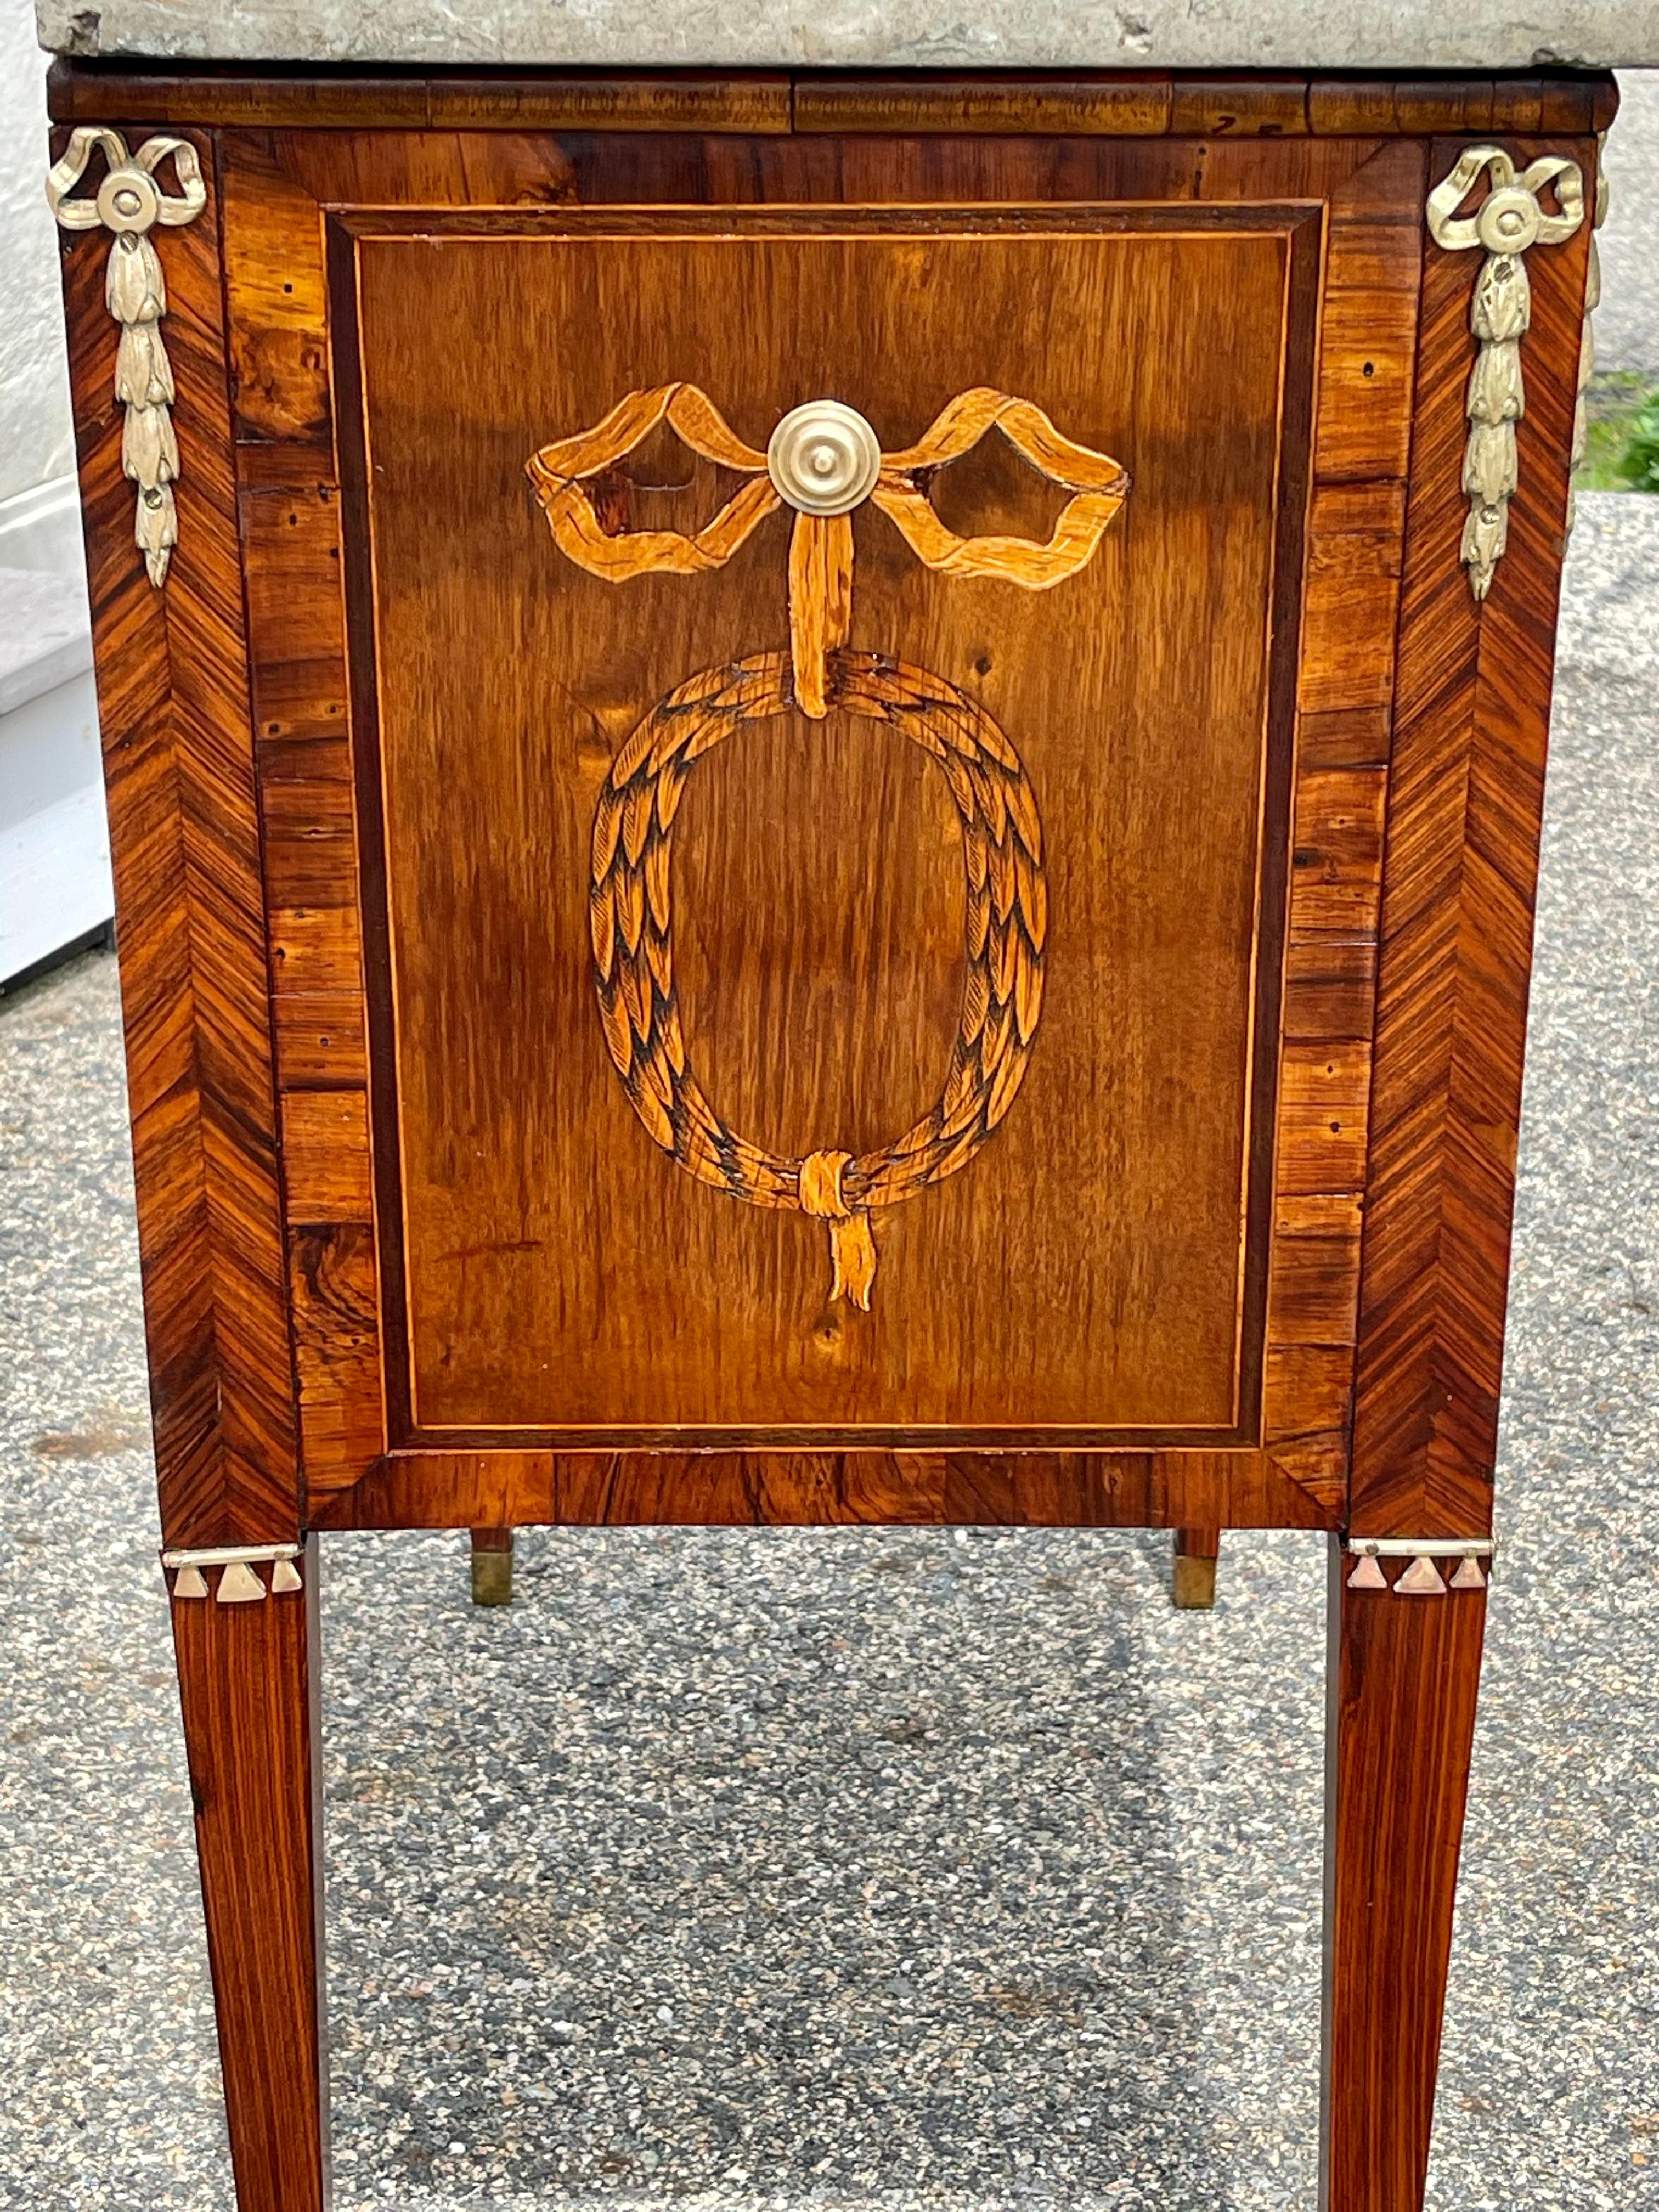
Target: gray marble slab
point(1340, 34)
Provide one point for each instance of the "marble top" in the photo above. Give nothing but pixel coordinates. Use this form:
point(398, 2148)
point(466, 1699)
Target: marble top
point(1324, 35)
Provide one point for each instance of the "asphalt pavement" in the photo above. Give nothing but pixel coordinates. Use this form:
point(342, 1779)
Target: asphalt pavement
point(812, 1869)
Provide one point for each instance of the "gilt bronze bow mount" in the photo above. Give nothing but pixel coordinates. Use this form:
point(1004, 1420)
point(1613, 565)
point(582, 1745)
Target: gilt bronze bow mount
point(823, 461)
point(1508, 221)
point(128, 204)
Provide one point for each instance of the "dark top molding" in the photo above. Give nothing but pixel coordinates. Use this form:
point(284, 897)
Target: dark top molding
point(1153, 105)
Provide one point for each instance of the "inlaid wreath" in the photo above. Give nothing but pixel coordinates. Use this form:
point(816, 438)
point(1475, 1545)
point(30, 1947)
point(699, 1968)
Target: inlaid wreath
point(823, 461)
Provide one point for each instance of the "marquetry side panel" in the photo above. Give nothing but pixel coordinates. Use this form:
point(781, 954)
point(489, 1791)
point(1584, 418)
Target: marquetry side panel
point(178, 765)
point(288, 472)
point(1464, 818)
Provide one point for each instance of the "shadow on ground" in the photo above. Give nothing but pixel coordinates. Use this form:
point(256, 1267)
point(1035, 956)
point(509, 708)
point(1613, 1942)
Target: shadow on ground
point(804, 1864)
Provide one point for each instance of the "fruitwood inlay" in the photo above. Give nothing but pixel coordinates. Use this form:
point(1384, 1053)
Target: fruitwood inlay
point(630, 906)
point(1006, 894)
point(573, 475)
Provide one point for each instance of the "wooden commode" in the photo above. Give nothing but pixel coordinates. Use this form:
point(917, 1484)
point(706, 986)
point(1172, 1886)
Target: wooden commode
point(825, 791)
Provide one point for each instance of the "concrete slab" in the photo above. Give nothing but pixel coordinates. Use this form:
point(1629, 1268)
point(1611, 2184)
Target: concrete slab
point(1482, 34)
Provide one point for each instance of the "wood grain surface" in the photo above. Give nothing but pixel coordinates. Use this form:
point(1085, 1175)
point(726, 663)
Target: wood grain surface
point(172, 701)
point(1465, 809)
point(561, 1277)
point(249, 1690)
point(1404, 1675)
point(805, 1489)
point(1136, 105)
point(318, 809)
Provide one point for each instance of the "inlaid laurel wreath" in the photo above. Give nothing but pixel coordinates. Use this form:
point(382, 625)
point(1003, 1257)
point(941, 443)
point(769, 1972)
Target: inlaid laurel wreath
point(823, 461)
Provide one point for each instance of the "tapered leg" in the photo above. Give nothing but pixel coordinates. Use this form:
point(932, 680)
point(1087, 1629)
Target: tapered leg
point(1196, 1551)
point(247, 1681)
point(1404, 1674)
point(492, 1566)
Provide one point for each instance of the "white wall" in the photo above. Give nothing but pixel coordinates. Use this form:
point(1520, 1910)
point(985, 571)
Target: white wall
point(1627, 321)
point(36, 444)
point(54, 844)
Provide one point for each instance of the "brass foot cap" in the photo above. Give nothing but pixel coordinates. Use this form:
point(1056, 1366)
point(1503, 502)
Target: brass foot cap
point(492, 1578)
point(1195, 1583)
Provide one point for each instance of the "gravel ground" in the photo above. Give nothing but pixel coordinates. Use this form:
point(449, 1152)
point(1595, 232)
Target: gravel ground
point(808, 1869)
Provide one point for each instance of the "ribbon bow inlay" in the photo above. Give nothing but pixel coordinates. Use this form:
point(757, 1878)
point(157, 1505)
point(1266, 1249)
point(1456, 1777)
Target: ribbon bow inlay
point(1005, 888)
point(821, 546)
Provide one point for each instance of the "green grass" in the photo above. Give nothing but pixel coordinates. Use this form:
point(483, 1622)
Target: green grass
point(1623, 451)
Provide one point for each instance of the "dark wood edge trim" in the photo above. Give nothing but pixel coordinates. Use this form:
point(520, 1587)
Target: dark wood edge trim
point(1202, 104)
point(361, 641)
point(833, 219)
point(804, 1489)
point(1276, 834)
point(228, 96)
point(1151, 104)
point(827, 1437)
